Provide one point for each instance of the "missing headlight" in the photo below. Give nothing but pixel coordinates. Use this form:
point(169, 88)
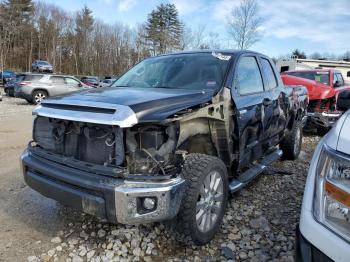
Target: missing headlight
point(150, 149)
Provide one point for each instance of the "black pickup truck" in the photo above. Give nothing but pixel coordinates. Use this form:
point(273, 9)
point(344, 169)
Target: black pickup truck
point(168, 141)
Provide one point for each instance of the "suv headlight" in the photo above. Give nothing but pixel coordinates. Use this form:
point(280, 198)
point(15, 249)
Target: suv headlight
point(331, 205)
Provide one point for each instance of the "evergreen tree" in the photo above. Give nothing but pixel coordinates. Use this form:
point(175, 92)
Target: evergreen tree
point(164, 29)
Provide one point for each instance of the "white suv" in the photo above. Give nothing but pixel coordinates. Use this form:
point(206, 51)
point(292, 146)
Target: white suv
point(324, 231)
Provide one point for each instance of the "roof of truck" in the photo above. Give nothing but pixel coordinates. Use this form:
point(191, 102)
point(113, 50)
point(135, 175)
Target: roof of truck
point(229, 51)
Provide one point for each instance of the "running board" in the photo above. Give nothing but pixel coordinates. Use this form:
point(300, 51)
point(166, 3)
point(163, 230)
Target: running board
point(250, 174)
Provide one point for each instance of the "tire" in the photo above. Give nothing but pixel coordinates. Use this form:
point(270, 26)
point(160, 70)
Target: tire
point(38, 96)
point(198, 171)
point(291, 144)
point(322, 130)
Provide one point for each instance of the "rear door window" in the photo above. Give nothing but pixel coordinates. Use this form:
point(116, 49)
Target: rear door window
point(32, 78)
point(57, 80)
point(269, 74)
point(248, 76)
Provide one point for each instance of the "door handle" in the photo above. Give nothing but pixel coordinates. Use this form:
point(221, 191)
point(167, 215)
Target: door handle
point(267, 101)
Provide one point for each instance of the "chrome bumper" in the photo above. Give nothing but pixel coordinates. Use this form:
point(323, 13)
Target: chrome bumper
point(323, 119)
point(114, 199)
point(167, 195)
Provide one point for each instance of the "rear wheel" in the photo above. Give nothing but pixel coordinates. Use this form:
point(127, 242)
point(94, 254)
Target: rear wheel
point(38, 96)
point(291, 144)
point(204, 204)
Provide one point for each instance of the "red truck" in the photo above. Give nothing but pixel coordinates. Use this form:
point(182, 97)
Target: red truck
point(324, 87)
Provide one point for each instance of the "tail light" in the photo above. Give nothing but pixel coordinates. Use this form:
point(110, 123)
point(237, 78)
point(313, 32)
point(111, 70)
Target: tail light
point(24, 83)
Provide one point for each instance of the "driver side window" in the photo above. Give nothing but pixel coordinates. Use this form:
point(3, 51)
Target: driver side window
point(248, 76)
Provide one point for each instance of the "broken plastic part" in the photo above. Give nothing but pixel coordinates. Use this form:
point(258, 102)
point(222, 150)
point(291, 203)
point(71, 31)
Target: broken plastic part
point(221, 56)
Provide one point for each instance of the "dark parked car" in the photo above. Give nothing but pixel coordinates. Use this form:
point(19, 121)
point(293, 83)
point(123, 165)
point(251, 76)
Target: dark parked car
point(106, 82)
point(36, 87)
point(41, 66)
point(9, 88)
point(90, 81)
point(6, 76)
point(169, 140)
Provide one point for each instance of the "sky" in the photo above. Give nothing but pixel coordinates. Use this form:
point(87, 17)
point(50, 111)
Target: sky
point(310, 25)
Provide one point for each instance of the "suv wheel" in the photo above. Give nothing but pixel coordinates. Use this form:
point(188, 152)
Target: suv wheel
point(291, 144)
point(204, 203)
point(38, 96)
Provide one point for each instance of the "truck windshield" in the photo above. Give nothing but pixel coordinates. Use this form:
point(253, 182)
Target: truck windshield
point(200, 71)
point(319, 76)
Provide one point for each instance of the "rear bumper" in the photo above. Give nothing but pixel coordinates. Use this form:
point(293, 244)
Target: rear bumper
point(306, 252)
point(113, 199)
point(324, 119)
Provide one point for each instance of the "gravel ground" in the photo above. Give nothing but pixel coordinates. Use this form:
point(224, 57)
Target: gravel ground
point(259, 224)
point(11, 105)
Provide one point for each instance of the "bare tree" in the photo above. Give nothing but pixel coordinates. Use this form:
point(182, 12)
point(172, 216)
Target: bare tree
point(244, 22)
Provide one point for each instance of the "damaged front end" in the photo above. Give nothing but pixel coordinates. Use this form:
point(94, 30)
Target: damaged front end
point(141, 151)
point(323, 113)
point(123, 173)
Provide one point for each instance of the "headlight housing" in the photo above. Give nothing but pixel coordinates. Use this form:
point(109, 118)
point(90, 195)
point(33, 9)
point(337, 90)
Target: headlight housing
point(331, 205)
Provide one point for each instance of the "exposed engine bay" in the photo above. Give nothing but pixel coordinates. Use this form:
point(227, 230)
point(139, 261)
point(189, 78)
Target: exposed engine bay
point(138, 150)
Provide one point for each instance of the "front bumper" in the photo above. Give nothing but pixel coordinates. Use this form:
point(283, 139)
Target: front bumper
point(48, 70)
point(113, 199)
point(306, 252)
point(324, 119)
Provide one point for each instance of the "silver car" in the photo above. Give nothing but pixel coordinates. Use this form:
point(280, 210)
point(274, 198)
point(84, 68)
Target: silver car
point(36, 87)
point(42, 66)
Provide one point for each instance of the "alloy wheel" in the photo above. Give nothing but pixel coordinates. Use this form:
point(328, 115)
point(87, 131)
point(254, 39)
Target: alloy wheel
point(210, 201)
point(39, 97)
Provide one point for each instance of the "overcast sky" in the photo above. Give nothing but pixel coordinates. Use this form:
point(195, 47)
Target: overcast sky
point(310, 25)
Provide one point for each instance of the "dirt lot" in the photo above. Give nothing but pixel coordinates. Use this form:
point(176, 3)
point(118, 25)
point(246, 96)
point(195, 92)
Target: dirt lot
point(259, 225)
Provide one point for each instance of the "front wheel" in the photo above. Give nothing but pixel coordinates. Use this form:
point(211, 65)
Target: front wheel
point(205, 200)
point(38, 96)
point(291, 144)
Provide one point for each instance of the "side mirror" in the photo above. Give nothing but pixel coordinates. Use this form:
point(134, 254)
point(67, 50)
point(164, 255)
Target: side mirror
point(80, 84)
point(348, 74)
point(336, 84)
point(343, 101)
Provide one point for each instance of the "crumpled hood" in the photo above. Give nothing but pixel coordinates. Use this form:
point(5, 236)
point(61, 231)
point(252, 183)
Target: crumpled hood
point(315, 89)
point(149, 104)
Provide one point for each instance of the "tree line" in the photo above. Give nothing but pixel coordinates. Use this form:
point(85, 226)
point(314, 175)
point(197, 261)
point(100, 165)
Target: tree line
point(80, 44)
point(77, 43)
point(318, 56)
